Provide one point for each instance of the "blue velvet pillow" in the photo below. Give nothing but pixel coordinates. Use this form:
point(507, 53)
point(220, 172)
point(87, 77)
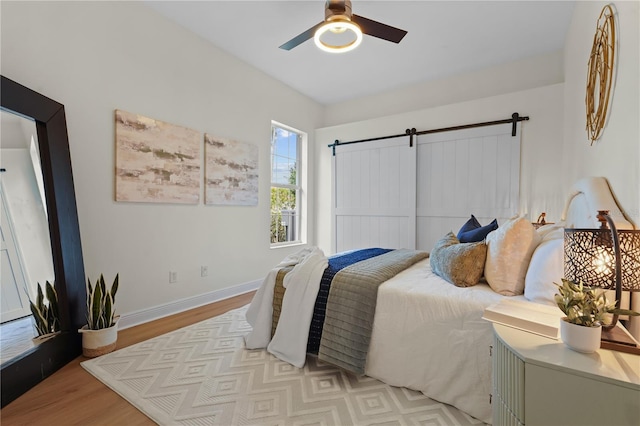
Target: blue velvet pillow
point(472, 231)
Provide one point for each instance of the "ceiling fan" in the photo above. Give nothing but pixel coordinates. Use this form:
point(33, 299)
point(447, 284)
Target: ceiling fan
point(340, 19)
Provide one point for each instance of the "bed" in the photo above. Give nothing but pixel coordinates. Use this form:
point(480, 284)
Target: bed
point(426, 333)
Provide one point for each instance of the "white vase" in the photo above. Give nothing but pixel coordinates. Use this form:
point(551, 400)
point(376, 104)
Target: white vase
point(580, 338)
point(99, 342)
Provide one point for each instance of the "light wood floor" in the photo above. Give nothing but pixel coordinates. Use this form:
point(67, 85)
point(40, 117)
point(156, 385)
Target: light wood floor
point(72, 396)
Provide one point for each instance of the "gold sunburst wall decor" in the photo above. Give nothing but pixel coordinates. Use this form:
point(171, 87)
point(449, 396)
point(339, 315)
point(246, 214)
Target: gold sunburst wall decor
point(600, 73)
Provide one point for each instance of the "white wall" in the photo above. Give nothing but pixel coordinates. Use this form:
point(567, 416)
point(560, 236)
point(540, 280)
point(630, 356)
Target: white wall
point(510, 77)
point(94, 57)
point(541, 142)
point(616, 155)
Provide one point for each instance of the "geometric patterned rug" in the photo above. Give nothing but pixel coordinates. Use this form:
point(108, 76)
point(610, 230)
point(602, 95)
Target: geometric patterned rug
point(203, 375)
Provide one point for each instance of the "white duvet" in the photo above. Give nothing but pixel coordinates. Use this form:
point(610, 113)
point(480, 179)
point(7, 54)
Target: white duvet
point(428, 335)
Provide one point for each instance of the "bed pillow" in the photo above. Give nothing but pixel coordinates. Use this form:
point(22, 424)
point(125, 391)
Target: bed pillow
point(546, 230)
point(509, 250)
point(462, 264)
point(472, 231)
point(546, 267)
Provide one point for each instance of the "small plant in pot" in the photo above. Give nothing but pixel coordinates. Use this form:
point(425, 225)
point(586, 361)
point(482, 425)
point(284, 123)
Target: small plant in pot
point(586, 312)
point(45, 315)
point(100, 335)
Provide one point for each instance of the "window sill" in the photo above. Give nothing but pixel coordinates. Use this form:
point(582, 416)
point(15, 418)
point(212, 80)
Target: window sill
point(288, 244)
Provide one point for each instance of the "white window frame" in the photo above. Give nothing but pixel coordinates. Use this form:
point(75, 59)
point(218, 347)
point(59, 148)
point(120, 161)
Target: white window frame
point(301, 177)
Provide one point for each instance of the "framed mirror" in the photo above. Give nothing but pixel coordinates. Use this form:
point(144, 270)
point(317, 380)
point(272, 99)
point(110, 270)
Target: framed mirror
point(25, 250)
point(27, 369)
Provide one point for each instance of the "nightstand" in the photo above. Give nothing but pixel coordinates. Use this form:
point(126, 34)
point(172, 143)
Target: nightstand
point(539, 381)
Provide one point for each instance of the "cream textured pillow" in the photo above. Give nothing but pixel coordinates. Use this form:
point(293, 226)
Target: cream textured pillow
point(509, 250)
point(459, 263)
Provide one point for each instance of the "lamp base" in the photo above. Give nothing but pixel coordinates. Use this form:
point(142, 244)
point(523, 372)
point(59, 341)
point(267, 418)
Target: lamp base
point(618, 339)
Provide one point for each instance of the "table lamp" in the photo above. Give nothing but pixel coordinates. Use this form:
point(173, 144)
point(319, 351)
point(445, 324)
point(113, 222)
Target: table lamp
point(607, 258)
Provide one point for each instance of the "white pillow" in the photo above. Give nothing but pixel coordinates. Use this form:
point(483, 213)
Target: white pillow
point(509, 250)
point(551, 228)
point(546, 267)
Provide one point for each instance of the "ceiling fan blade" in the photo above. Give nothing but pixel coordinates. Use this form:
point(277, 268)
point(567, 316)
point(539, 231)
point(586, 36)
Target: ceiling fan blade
point(301, 38)
point(378, 29)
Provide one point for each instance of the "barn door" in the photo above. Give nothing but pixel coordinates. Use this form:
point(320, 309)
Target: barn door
point(374, 195)
point(472, 171)
point(387, 194)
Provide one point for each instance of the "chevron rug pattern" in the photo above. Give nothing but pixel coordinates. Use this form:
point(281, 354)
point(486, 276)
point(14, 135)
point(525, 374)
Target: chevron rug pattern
point(203, 375)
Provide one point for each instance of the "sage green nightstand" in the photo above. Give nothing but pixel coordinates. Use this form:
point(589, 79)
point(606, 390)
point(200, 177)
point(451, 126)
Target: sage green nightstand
point(539, 381)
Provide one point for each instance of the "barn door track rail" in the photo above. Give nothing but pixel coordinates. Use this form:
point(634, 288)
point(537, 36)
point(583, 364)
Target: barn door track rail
point(515, 118)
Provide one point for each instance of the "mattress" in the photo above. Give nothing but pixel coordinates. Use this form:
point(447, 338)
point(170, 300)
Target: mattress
point(428, 335)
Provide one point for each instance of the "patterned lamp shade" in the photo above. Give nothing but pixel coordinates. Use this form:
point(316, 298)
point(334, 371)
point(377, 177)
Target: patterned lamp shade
point(609, 259)
point(589, 256)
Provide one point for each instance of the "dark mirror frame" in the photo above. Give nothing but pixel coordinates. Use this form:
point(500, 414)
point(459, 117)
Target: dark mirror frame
point(20, 374)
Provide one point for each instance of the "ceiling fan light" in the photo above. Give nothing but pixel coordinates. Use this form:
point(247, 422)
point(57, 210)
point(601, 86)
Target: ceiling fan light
point(338, 26)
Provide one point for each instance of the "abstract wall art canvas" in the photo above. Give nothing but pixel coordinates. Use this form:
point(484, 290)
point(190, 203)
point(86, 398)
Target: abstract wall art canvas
point(231, 172)
point(156, 162)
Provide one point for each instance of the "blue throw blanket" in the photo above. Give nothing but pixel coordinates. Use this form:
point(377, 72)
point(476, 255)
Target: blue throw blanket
point(336, 263)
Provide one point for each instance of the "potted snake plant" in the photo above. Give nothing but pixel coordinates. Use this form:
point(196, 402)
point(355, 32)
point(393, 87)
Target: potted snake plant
point(100, 334)
point(45, 314)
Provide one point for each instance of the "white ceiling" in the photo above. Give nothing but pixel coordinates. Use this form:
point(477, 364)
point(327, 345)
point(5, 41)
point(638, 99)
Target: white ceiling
point(444, 38)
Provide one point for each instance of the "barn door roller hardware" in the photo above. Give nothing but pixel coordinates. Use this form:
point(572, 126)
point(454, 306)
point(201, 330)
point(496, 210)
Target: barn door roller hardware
point(515, 118)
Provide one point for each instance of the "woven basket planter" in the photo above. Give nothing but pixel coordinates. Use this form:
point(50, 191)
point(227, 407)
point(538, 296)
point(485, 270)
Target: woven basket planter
point(99, 342)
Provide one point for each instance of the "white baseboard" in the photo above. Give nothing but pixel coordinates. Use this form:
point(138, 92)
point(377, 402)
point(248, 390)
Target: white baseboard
point(150, 314)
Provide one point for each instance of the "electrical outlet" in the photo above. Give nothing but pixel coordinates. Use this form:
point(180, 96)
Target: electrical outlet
point(173, 277)
point(204, 271)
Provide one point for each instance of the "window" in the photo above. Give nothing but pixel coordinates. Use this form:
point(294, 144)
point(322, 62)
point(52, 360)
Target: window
point(286, 188)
